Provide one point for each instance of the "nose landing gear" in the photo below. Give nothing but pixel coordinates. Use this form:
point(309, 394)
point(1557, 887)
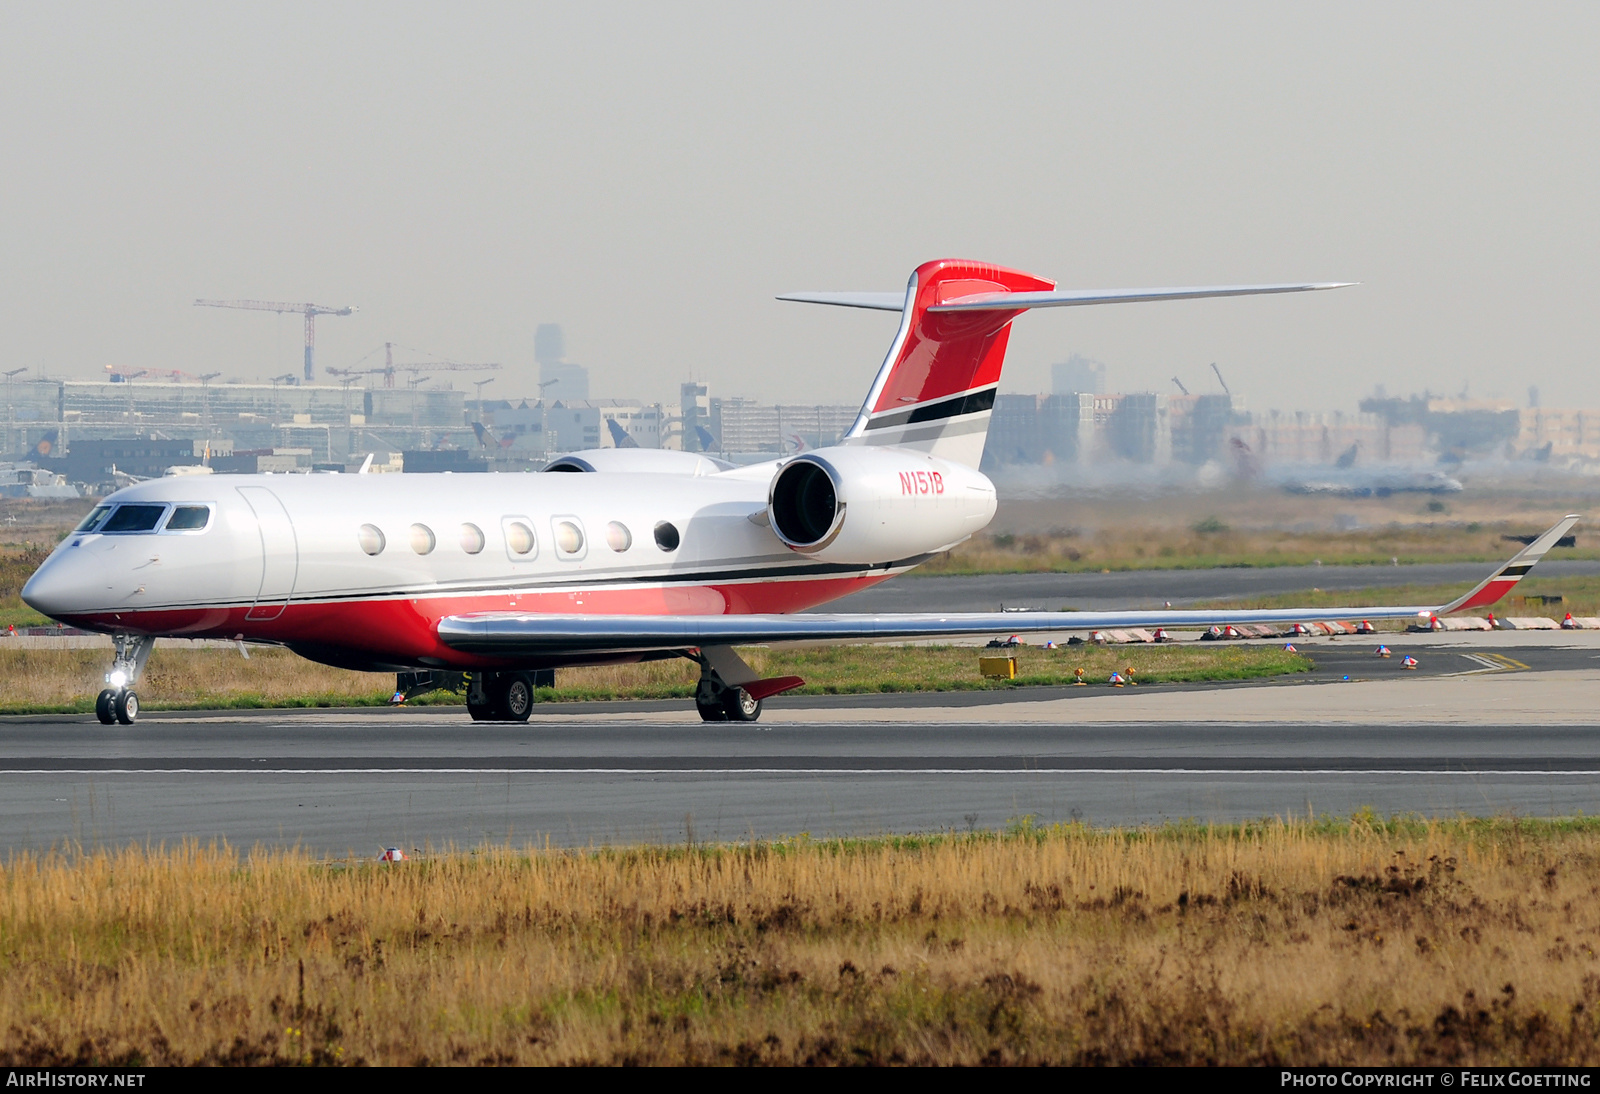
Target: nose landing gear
point(119, 702)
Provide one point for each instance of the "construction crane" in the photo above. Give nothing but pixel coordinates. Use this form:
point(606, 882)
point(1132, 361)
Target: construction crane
point(310, 311)
point(390, 367)
point(1180, 385)
point(1220, 380)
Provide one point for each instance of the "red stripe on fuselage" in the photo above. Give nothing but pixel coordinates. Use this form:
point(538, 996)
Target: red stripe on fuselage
point(402, 630)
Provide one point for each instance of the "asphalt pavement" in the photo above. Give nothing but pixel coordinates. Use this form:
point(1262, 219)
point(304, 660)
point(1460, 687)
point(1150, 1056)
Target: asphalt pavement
point(1453, 736)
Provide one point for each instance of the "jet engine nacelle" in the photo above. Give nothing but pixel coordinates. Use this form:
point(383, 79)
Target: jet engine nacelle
point(870, 505)
point(658, 461)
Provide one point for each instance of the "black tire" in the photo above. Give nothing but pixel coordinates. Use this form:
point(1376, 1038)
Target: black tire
point(126, 706)
point(516, 697)
point(739, 707)
point(104, 708)
point(711, 712)
point(481, 712)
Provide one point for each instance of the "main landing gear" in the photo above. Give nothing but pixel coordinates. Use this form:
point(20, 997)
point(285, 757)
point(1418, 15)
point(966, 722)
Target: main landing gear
point(119, 702)
point(715, 698)
point(505, 696)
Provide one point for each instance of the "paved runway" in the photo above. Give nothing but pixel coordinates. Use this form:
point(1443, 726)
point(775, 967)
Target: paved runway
point(1485, 728)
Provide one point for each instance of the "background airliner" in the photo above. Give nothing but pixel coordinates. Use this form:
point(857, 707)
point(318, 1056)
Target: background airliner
point(612, 555)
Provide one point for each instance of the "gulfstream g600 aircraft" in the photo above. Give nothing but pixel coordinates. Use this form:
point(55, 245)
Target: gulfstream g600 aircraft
point(634, 554)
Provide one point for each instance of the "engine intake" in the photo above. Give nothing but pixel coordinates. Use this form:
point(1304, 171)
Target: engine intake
point(805, 506)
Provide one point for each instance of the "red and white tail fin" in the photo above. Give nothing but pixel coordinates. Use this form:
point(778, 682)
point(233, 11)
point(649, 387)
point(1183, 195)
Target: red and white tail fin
point(936, 388)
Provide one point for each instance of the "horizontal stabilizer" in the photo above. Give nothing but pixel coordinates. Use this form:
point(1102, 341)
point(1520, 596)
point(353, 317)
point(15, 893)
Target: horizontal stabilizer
point(877, 301)
point(1056, 298)
point(1018, 301)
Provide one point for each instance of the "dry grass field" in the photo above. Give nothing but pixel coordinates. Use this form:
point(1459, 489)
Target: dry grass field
point(1578, 595)
point(1362, 942)
point(182, 677)
point(1256, 527)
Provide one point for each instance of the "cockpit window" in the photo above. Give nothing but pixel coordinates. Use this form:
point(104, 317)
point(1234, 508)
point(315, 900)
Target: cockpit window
point(188, 518)
point(95, 518)
point(134, 518)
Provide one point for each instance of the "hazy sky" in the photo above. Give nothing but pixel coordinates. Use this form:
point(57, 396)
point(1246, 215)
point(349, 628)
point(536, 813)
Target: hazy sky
point(650, 176)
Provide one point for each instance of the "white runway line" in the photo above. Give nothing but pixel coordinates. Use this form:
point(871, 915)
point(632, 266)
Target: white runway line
point(1184, 771)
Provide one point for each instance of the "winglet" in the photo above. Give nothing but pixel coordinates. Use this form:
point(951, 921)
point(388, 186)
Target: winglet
point(1499, 583)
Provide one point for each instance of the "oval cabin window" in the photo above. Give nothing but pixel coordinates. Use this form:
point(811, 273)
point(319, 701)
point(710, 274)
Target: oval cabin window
point(667, 536)
point(422, 540)
point(371, 539)
point(471, 538)
point(569, 538)
point(618, 538)
point(519, 538)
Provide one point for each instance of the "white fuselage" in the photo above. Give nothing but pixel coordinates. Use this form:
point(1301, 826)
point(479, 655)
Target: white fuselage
point(358, 569)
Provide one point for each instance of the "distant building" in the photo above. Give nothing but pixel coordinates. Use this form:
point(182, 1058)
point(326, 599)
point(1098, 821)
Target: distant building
point(744, 425)
point(1328, 439)
point(1199, 425)
point(558, 377)
point(694, 404)
point(646, 423)
point(1545, 433)
point(1137, 429)
point(541, 430)
point(1457, 427)
point(1078, 375)
point(96, 461)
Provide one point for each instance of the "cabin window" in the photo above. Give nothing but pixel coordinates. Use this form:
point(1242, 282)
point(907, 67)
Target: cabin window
point(618, 538)
point(667, 536)
point(134, 518)
point(519, 539)
point(569, 538)
point(471, 538)
point(371, 539)
point(188, 518)
point(96, 517)
point(422, 540)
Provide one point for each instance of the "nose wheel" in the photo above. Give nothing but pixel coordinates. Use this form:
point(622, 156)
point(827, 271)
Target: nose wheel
point(119, 703)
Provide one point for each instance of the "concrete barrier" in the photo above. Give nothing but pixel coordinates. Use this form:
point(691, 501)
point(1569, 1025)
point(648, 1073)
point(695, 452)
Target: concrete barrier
point(1528, 623)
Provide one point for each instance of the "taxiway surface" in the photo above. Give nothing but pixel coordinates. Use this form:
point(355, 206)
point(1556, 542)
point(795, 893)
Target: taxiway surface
point(1482, 728)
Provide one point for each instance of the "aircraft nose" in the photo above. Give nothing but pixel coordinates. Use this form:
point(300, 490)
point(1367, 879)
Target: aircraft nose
point(50, 591)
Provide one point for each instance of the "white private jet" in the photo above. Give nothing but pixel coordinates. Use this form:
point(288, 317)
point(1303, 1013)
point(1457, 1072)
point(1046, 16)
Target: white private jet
point(629, 555)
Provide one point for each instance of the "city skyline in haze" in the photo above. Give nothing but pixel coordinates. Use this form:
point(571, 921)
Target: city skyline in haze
point(650, 177)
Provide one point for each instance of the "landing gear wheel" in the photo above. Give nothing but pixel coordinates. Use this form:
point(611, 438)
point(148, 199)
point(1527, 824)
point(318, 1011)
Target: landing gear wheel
point(126, 706)
point(104, 708)
point(481, 712)
point(711, 711)
point(514, 692)
point(739, 707)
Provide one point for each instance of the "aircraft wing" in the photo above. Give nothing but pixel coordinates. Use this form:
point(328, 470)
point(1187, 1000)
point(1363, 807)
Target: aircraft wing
point(512, 634)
